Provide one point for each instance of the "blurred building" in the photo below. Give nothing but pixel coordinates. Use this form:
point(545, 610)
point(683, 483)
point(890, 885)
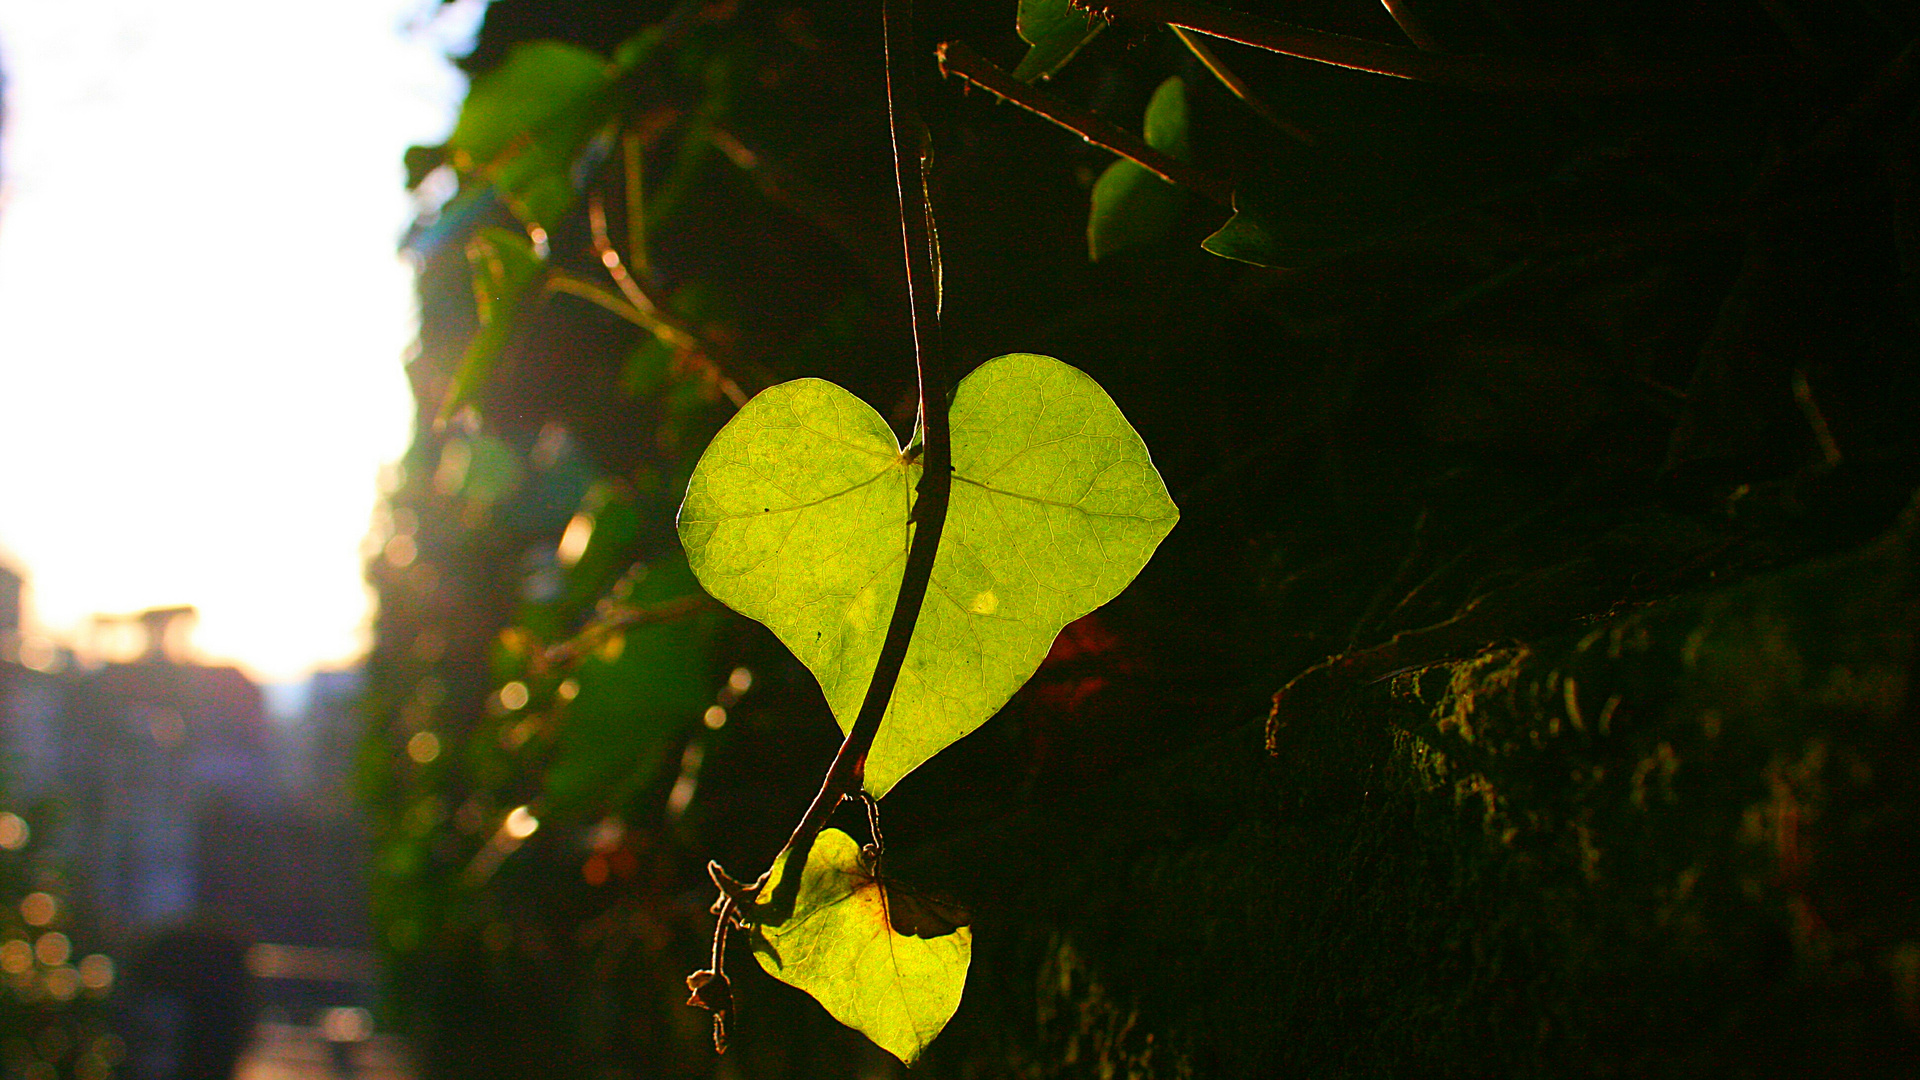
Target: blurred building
point(168, 793)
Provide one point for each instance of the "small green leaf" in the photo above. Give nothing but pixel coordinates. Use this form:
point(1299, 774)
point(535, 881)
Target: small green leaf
point(1056, 30)
point(1241, 240)
point(797, 516)
point(1166, 123)
point(1132, 207)
point(841, 945)
point(1293, 234)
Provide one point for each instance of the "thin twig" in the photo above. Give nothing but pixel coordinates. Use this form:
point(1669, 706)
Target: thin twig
point(1816, 420)
point(701, 352)
point(956, 58)
point(845, 775)
point(1411, 25)
point(1468, 72)
point(561, 281)
point(566, 653)
point(1239, 86)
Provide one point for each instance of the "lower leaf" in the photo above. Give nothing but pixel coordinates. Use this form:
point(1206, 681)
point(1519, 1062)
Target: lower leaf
point(882, 961)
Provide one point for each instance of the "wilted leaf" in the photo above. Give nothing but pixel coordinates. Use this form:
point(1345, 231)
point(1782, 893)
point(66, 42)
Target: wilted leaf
point(1132, 207)
point(840, 945)
point(1056, 30)
point(797, 515)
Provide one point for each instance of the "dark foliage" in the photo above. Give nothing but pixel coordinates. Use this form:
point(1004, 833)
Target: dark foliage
point(1575, 429)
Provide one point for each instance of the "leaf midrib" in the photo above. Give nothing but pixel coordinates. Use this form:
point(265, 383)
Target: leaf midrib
point(797, 507)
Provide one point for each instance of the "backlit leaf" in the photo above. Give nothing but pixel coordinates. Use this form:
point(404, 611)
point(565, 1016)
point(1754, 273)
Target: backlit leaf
point(524, 122)
point(797, 516)
point(840, 945)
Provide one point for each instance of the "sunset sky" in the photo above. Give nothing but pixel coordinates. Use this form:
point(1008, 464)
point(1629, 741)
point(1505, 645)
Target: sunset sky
point(202, 315)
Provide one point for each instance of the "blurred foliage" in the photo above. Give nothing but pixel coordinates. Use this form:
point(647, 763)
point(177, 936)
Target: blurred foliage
point(1573, 427)
point(58, 1016)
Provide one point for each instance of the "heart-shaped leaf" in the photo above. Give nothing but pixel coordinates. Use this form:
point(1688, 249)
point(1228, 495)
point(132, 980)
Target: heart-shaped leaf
point(841, 944)
point(798, 515)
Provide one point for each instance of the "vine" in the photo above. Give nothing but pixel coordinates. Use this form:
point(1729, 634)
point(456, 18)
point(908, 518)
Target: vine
point(1502, 366)
point(1042, 451)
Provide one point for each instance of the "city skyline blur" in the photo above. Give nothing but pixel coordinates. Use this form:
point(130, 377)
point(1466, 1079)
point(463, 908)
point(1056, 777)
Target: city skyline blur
point(202, 314)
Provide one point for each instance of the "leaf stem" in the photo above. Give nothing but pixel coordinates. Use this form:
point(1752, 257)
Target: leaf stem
point(956, 58)
point(1468, 72)
point(922, 245)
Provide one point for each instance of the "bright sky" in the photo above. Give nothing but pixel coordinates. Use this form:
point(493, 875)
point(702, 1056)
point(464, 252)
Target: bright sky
point(202, 317)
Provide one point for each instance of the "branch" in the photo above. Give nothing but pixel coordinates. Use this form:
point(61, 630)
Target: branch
point(561, 281)
point(956, 58)
point(701, 352)
point(1468, 72)
point(1411, 25)
point(566, 653)
point(910, 155)
point(1239, 86)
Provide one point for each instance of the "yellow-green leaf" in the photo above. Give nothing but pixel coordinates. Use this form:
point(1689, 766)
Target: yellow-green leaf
point(841, 946)
point(797, 515)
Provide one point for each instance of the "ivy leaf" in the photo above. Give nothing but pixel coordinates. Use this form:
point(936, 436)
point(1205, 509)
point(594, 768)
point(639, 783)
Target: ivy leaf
point(1131, 206)
point(844, 945)
point(1301, 229)
point(524, 122)
point(797, 515)
point(1056, 30)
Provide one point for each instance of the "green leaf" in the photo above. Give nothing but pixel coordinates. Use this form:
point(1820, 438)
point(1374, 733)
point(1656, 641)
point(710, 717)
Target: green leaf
point(797, 516)
point(524, 122)
point(841, 945)
point(1131, 206)
point(635, 697)
point(1291, 235)
point(1166, 123)
point(1056, 30)
point(1241, 240)
point(505, 268)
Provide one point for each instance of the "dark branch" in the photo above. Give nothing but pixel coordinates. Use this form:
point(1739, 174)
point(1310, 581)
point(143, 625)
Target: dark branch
point(848, 770)
point(1468, 72)
point(957, 59)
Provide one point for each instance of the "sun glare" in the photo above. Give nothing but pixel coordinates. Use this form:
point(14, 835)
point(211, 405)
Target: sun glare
point(202, 315)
